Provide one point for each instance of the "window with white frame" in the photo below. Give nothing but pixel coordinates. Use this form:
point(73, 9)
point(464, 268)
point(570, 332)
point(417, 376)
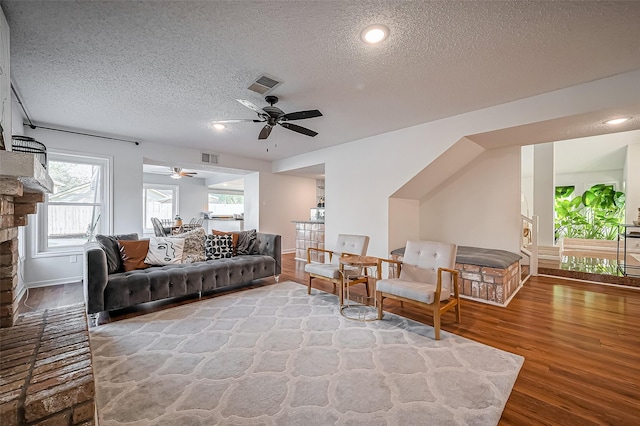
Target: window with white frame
point(78, 209)
point(226, 203)
point(159, 201)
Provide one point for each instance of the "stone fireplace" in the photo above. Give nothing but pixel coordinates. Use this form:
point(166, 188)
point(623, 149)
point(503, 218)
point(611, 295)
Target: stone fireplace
point(23, 183)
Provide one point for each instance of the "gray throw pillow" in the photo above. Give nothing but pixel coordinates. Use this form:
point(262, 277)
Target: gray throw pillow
point(247, 242)
point(109, 244)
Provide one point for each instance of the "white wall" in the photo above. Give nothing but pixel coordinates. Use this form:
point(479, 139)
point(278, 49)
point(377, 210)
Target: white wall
point(481, 207)
point(632, 183)
point(5, 81)
point(544, 192)
point(252, 201)
point(273, 201)
point(586, 180)
point(526, 184)
point(362, 175)
point(283, 199)
point(404, 221)
point(126, 214)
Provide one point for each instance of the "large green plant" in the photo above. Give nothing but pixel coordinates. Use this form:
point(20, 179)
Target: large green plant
point(595, 214)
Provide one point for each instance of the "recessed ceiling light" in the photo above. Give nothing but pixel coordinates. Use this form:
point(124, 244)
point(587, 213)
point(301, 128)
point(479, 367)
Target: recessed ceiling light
point(617, 120)
point(374, 34)
point(219, 126)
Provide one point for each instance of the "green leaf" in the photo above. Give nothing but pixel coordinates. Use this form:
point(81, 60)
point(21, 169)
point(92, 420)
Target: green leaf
point(564, 191)
point(588, 197)
point(576, 201)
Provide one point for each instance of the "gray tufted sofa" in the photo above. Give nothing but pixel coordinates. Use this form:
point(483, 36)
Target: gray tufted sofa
point(107, 292)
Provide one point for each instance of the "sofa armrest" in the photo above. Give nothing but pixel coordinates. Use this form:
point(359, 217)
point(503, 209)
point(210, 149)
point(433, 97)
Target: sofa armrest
point(271, 245)
point(95, 277)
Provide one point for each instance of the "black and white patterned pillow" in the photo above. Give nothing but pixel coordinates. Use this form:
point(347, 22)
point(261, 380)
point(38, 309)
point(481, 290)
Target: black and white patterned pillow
point(218, 247)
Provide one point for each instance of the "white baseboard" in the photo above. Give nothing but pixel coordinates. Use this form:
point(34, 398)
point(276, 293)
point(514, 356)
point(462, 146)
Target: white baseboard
point(288, 251)
point(489, 302)
point(59, 281)
point(23, 291)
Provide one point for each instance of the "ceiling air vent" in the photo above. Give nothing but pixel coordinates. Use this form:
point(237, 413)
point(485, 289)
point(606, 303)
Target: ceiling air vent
point(264, 84)
point(209, 158)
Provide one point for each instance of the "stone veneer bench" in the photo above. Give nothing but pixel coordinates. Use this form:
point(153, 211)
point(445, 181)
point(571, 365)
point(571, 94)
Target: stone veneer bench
point(486, 275)
point(46, 376)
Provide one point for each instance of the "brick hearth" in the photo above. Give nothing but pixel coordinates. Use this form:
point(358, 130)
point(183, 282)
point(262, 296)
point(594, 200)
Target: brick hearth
point(488, 284)
point(46, 376)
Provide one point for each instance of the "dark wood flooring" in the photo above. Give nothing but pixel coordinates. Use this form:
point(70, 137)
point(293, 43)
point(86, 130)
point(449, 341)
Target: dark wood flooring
point(581, 344)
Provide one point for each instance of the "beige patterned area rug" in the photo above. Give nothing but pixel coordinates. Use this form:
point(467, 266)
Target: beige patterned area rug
point(277, 356)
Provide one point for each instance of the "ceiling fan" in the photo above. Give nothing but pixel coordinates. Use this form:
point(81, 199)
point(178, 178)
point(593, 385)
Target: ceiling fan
point(272, 115)
point(178, 173)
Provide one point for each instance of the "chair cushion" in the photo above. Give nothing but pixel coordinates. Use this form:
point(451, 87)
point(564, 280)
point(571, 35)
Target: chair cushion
point(354, 244)
point(418, 291)
point(328, 270)
point(486, 257)
point(423, 258)
point(415, 273)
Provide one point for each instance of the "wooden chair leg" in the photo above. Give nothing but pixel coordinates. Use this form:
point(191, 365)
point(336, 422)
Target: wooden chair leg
point(458, 312)
point(309, 286)
point(436, 324)
point(366, 284)
point(379, 300)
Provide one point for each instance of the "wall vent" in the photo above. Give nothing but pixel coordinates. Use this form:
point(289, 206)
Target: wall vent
point(264, 84)
point(209, 158)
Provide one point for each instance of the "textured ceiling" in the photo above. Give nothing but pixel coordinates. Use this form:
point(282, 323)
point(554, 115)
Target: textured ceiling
point(161, 70)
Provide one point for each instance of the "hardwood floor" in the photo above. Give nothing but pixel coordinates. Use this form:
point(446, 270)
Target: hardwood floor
point(581, 344)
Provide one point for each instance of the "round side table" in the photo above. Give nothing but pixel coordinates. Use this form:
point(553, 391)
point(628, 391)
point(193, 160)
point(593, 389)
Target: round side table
point(360, 308)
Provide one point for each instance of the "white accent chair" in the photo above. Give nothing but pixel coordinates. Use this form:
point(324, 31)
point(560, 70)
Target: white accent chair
point(346, 244)
point(426, 277)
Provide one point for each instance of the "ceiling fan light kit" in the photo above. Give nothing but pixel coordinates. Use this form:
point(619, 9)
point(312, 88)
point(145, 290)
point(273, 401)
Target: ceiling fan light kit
point(272, 116)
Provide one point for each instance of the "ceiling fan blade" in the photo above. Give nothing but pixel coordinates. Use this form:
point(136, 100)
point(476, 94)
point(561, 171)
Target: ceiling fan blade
point(301, 115)
point(251, 106)
point(240, 120)
point(299, 129)
point(265, 132)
